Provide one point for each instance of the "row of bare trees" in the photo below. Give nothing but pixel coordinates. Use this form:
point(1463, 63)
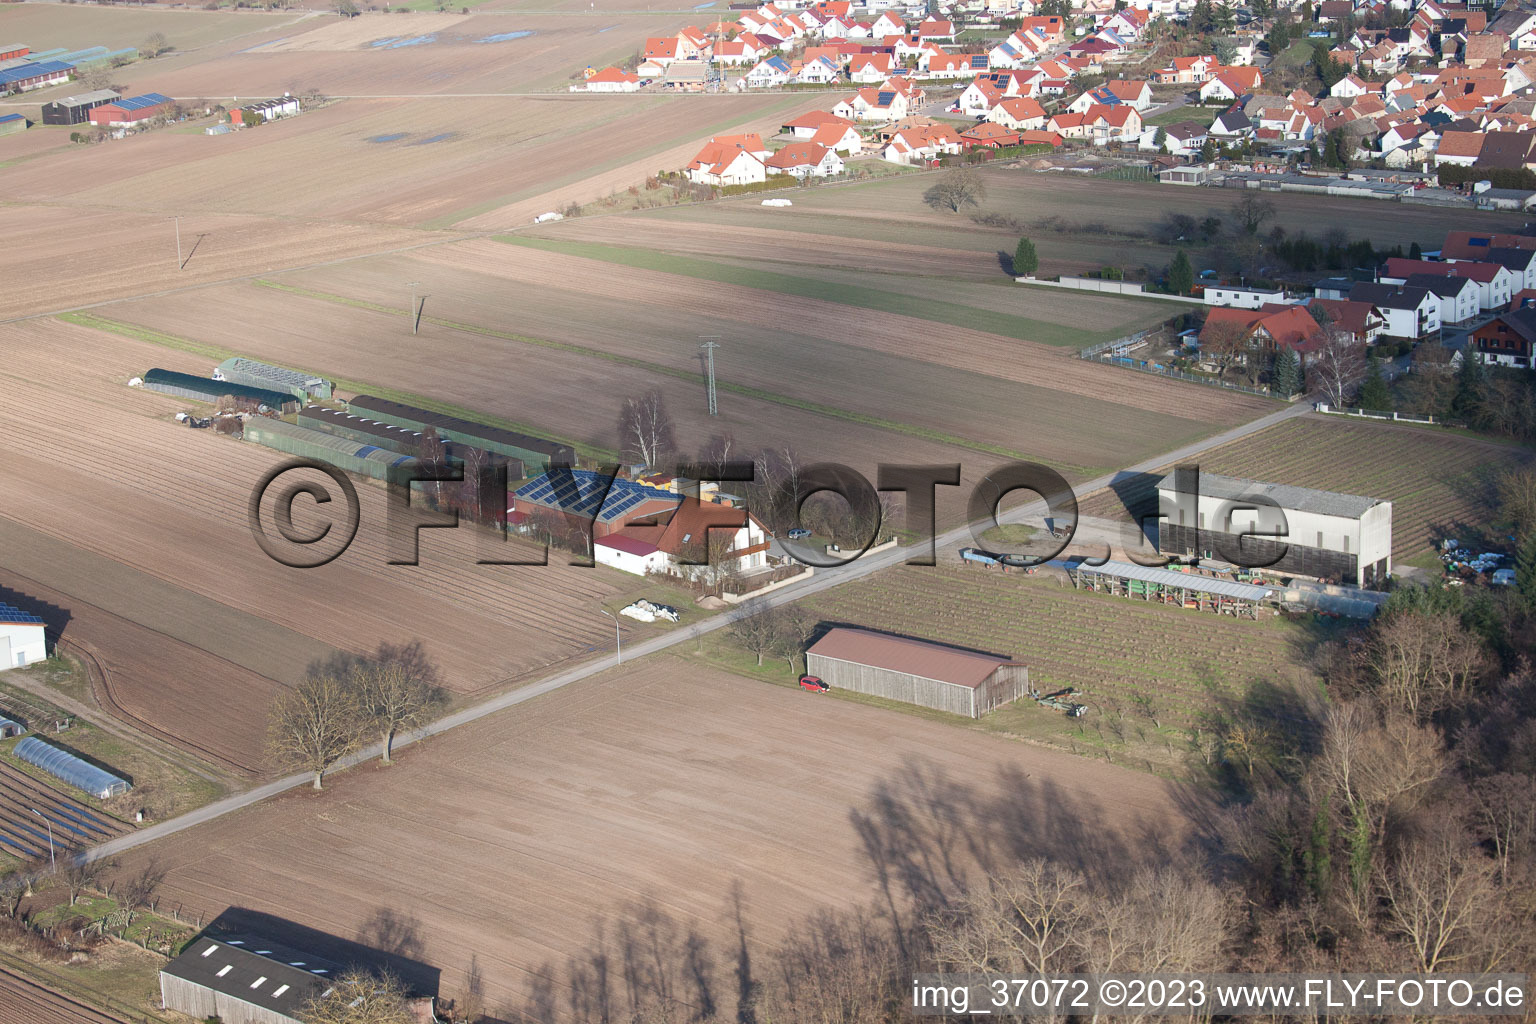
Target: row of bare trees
point(341, 704)
point(776, 631)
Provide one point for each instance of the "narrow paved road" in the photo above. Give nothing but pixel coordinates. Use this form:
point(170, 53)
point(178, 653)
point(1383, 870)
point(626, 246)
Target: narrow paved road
point(824, 579)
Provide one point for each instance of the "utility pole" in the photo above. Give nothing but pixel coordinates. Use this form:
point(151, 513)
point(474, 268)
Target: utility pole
point(618, 644)
point(178, 241)
point(709, 359)
point(415, 319)
point(54, 864)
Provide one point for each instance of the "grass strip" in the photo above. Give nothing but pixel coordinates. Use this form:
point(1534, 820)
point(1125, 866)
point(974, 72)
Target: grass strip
point(953, 314)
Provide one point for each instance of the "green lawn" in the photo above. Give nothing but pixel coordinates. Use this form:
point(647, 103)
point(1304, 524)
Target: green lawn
point(1200, 115)
point(951, 313)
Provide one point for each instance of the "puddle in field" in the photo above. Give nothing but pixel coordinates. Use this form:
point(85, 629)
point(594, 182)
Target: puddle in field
point(396, 42)
point(700, 7)
point(396, 137)
point(269, 42)
point(610, 28)
point(505, 37)
point(444, 137)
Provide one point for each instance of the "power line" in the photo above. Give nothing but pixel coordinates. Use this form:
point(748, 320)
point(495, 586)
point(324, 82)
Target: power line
point(709, 358)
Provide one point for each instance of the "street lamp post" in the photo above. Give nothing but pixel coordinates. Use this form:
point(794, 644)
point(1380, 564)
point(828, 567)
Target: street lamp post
point(53, 863)
point(415, 321)
point(618, 644)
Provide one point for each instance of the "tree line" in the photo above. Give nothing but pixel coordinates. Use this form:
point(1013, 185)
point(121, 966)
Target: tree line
point(342, 704)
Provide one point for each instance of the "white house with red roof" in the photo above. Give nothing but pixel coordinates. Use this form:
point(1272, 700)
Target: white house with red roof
point(613, 80)
point(744, 49)
point(1020, 114)
point(1187, 70)
point(1231, 83)
point(729, 160)
point(806, 125)
point(887, 25)
point(805, 160)
point(685, 536)
point(840, 137)
point(937, 29)
point(869, 68)
point(819, 71)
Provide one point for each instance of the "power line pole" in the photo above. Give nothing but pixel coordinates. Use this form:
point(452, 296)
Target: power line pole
point(415, 318)
point(178, 241)
point(709, 358)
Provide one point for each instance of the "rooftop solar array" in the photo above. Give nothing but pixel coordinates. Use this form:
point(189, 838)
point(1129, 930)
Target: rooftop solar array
point(149, 99)
point(587, 494)
point(26, 71)
point(10, 613)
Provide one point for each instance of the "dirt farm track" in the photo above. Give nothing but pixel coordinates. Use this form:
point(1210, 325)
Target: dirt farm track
point(649, 794)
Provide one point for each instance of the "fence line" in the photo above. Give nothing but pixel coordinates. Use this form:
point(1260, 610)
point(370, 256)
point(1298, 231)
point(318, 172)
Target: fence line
point(1376, 414)
point(1144, 366)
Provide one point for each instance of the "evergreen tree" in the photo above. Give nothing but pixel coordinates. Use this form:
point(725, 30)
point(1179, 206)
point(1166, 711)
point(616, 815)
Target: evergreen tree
point(1525, 570)
point(1285, 377)
point(1319, 856)
point(1374, 393)
point(1160, 138)
point(1467, 403)
point(1208, 151)
point(1414, 252)
point(1025, 259)
point(1181, 276)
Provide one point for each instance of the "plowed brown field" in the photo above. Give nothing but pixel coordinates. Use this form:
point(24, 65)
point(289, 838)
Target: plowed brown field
point(531, 842)
point(126, 483)
point(61, 258)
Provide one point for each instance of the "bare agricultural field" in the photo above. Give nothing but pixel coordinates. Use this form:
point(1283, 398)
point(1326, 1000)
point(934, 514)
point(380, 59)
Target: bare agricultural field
point(1439, 481)
point(110, 254)
point(541, 330)
point(127, 484)
point(1067, 215)
point(555, 832)
point(44, 26)
point(410, 54)
point(432, 161)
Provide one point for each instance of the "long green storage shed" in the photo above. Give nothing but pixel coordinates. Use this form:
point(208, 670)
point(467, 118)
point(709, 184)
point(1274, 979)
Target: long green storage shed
point(202, 389)
point(345, 454)
point(533, 451)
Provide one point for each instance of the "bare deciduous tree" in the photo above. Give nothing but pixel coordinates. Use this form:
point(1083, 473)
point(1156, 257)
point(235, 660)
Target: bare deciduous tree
point(1517, 498)
point(1225, 343)
point(397, 689)
point(1422, 662)
point(646, 433)
point(80, 875)
point(1337, 366)
point(314, 725)
point(359, 997)
point(1253, 211)
point(758, 629)
point(1436, 895)
point(955, 190)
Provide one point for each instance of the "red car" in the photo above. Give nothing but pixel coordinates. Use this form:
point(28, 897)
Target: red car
point(814, 684)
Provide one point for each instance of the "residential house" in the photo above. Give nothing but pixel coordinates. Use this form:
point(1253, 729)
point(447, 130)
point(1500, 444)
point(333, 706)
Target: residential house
point(1471, 245)
point(1268, 328)
point(1495, 284)
point(1460, 149)
point(1112, 125)
point(808, 124)
point(1458, 295)
point(877, 103)
point(1231, 126)
point(805, 160)
point(1349, 87)
point(1182, 139)
point(841, 138)
point(744, 49)
point(1137, 95)
point(1407, 313)
point(869, 68)
point(767, 74)
point(988, 135)
point(1187, 70)
point(1358, 319)
point(820, 71)
point(1507, 339)
point(729, 160)
point(1019, 114)
point(1229, 84)
point(613, 80)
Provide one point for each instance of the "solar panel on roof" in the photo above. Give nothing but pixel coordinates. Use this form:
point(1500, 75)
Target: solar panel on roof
point(149, 99)
point(10, 613)
point(885, 98)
